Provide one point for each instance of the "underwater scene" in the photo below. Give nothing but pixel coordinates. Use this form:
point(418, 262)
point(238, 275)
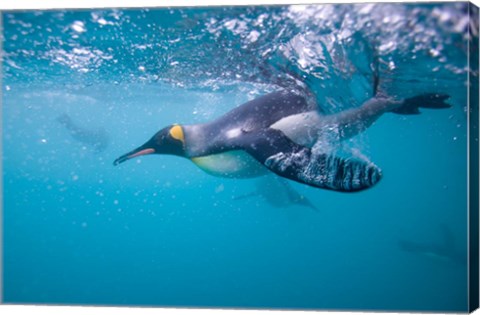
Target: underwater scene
point(266, 157)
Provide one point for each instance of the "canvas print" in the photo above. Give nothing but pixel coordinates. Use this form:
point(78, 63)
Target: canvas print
point(309, 157)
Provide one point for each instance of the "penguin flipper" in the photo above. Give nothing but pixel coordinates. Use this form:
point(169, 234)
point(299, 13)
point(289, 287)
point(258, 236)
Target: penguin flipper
point(293, 161)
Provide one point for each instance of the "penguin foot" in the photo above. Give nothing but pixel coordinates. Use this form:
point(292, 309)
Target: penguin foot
point(411, 105)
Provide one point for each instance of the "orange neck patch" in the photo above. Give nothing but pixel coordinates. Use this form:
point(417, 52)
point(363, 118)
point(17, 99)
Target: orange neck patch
point(177, 133)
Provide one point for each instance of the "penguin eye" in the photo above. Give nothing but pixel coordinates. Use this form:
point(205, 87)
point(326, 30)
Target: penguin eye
point(176, 132)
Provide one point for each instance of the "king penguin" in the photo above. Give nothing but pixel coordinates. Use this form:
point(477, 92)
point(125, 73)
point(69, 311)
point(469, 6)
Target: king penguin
point(276, 132)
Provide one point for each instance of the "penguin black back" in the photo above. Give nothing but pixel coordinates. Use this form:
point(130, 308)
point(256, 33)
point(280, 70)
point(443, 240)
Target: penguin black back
point(262, 112)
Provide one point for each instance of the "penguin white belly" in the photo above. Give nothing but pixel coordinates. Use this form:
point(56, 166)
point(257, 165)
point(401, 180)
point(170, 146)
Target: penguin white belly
point(301, 128)
point(234, 164)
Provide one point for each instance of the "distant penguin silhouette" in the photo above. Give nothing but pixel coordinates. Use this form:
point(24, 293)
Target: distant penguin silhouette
point(97, 139)
point(444, 250)
point(276, 133)
point(278, 193)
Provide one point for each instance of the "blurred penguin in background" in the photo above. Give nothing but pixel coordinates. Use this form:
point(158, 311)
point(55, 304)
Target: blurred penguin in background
point(97, 139)
point(278, 193)
point(442, 250)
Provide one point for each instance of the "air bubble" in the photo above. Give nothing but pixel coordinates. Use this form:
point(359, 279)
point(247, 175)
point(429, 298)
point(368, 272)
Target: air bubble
point(78, 26)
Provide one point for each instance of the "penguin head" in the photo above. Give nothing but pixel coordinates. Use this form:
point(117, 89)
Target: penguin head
point(169, 140)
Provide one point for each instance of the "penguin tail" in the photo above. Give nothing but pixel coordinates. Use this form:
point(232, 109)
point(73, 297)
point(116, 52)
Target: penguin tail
point(411, 106)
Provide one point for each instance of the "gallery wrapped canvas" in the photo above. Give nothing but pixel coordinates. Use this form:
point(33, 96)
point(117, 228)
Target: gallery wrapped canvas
point(307, 157)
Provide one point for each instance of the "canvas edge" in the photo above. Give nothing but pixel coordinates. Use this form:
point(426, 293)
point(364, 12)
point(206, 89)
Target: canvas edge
point(1, 158)
point(473, 161)
point(473, 164)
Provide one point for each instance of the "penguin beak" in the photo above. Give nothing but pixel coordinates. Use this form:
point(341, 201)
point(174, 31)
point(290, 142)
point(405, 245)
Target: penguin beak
point(137, 152)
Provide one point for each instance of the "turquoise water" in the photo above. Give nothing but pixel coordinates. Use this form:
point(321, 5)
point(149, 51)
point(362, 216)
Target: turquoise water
point(158, 231)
